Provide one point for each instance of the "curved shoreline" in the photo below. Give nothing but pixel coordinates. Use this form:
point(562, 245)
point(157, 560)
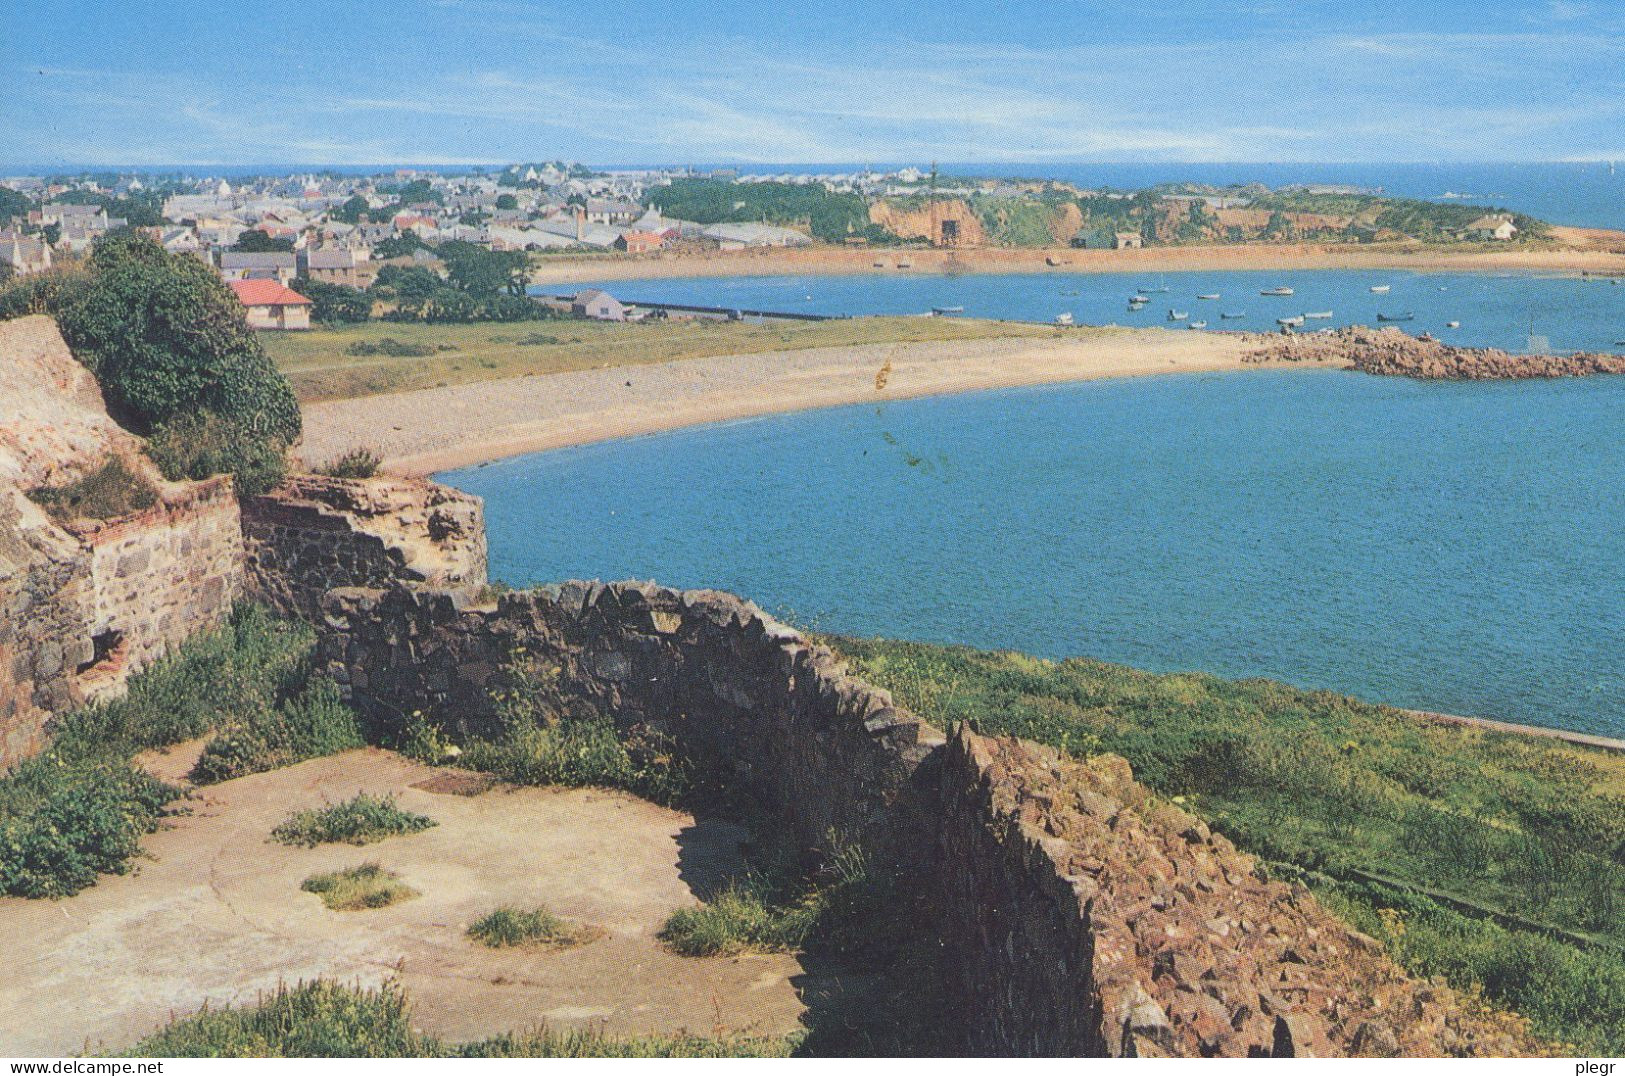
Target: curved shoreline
point(428, 430)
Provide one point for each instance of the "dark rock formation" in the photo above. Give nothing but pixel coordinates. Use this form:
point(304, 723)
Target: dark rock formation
point(1395, 353)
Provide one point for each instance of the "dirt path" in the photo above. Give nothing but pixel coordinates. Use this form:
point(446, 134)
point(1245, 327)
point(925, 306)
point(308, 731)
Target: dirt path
point(459, 425)
point(216, 916)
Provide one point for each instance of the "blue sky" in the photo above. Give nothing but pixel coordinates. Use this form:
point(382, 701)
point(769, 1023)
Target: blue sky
point(631, 81)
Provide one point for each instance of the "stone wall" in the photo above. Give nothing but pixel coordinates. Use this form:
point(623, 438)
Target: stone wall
point(1083, 916)
point(314, 533)
point(730, 684)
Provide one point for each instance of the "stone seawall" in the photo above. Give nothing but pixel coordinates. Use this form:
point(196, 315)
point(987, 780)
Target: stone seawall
point(1077, 914)
point(731, 685)
point(315, 532)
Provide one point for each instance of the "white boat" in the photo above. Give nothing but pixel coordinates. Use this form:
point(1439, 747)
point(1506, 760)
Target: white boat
point(1276, 291)
point(1197, 325)
point(1159, 290)
point(1289, 323)
point(1452, 324)
point(1178, 315)
point(1381, 289)
point(1318, 315)
point(1064, 319)
point(947, 310)
point(1212, 295)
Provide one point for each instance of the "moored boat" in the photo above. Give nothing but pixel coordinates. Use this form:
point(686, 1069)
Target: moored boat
point(947, 310)
point(1276, 291)
point(1064, 319)
point(1381, 289)
point(1234, 314)
point(1210, 295)
point(1178, 315)
point(1406, 316)
point(1452, 324)
point(1318, 315)
point(1290, 323)
point(1197, 325)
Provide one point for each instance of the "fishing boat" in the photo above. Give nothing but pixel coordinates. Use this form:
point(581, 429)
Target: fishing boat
point(1289, 323)
point(1452, 324)
point(1197, 325)
point(1319, 315)
point(1234, 314)
point(1406, 316)
point(1276, 291)
point(1063, 319)
point(1211, 295)
point(1178, 315)
point(947, 310)
point(1158, 290)
point(1381, 289)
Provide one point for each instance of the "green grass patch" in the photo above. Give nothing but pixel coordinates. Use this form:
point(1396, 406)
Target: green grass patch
point(507, 927)
point(360, 820)
point(742, 918)
point(328, 1019)
point(359, 888)
point(79, 809)
point(1529, 829)
point(111, 491)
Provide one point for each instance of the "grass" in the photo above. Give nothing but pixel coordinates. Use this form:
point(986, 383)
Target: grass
point(507, 927)
point(111, 491)
point(362, 819)
point(79, 809)
point(1520, 840)
point(359, 888)
point(742, 919)
point(328, 1019)
point(322, 365)
point(356, 463)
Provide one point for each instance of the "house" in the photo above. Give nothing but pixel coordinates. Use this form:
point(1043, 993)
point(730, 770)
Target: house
point(598, 305)
point(640, 242)
point(330, 265)
point(610, 211)
point(740, 236)
point(1127, 240)
point(277, 266)
point(23, 254)
point(1492, 227)
point(269, 305)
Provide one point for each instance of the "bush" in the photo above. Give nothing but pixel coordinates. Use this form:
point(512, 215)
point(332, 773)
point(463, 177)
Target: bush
point(389, 346)
point(356, 463)
point(326, 1019)
point(113, 490)
point(740, 919)
point(507, 927)
point(197, 446)
point(309, 724)
point(360, 888)
point(361, 820)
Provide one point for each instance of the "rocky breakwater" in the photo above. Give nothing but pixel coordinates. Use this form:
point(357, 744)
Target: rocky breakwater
point(1395, 353)
point(1083, 916)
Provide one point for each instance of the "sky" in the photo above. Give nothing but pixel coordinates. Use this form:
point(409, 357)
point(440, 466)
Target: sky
point(135, 82)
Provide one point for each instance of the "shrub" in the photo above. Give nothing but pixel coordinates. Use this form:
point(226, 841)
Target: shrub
point(740, 919)
point(538, 340)
point(359, 888)
point(111, 491)
point(361, 820)
point(197, 446)
point(389, 346)
point(356, 463)
point(310, 723)
point(506, 927)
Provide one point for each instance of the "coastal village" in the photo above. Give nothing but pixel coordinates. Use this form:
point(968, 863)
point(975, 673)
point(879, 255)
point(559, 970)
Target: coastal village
point(277, 240)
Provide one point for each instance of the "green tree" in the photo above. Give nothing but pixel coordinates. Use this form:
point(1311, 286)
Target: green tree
point(255, 241)
point(168, 342)
point(482, 272)
point(507, 201)
point(334, 302)
point(351, 211)
point(14, 204)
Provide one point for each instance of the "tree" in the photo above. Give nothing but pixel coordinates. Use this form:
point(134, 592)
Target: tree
point(394, 247)
point(255, 241)
point(507, 201)
point(169, 344)
point(351, 211)
point(482, 272)
point(334, 302)
point(52, 233)
point(14, 204)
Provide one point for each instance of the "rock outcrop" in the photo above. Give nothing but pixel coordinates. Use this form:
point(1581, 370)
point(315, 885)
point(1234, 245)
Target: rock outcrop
point(1396, 353)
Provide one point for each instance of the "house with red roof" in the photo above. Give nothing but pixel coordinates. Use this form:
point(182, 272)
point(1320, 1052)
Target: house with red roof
point(271, 305)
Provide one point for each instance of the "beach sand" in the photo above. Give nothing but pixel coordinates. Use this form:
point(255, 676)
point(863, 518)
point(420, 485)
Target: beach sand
point(459, 425)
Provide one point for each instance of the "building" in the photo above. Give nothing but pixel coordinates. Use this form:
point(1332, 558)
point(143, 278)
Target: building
point(24, 254)
point(1127, 240)
point(740, 236)
point(640, 242)
point(610, 211)
point(277, 266)
point(1492, 228)
point(598, 305)
point(269, 305)
point(330, 265)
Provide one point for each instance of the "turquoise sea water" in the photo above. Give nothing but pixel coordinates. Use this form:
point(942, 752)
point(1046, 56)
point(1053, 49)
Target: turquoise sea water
point(1455, 547)
point(1494, 310)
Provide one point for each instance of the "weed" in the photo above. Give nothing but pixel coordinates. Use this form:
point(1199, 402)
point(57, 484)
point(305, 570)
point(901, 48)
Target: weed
point(508, 926)
point(360, 820)
point(111, 491)
point(359, 888)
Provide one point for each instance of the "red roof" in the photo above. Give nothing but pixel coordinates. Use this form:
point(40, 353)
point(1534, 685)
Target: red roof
point(266, 293)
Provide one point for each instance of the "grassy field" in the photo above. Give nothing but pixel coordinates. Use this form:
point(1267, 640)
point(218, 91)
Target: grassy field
point(1492, 859)
point(321, 365)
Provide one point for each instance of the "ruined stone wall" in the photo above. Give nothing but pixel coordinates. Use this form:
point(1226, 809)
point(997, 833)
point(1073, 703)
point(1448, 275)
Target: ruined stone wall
point(1083, 916)
point(729, 683)
point(315, 532)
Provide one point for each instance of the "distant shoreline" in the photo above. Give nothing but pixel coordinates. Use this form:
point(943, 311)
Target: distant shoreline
point(1588, 251)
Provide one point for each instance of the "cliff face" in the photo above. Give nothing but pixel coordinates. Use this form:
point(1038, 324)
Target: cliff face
point(943, 222)
point(1396, 353)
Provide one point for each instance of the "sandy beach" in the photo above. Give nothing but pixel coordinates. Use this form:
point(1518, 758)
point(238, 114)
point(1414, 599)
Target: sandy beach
point(1581, 250)
point(459, 425)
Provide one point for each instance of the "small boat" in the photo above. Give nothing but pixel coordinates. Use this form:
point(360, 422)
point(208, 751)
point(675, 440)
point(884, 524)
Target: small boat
point(1381, 289)
point(1069, 291)
point(1452, 324)
point(1197, 325)
point(1141, 299)
point(1406, 316)
point(1276, 291)
point(1154, 291)
point(1319, 315)
point(947, 310)
point(1211, 295)
point(1064, 319)
point(1289, 323)
point(1234, 314)
point(1177, 315)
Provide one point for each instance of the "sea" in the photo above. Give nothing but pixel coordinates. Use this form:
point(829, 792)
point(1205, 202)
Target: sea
point(1454, 547)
